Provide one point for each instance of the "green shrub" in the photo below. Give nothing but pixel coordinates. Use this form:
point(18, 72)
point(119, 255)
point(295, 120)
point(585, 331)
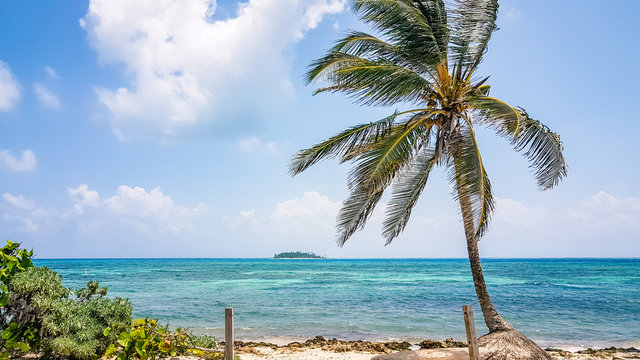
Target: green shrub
point(74, 328)
point(148, 340)
point(40, 316)
point(12, 261)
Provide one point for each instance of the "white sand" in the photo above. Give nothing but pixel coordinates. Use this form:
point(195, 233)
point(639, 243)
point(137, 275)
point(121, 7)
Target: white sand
point(442, 354)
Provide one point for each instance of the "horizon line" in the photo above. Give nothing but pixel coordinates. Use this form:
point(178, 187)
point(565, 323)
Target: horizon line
point(340, 258)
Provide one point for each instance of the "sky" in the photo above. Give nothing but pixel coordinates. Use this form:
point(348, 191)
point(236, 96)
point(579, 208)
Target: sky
point(164, 129)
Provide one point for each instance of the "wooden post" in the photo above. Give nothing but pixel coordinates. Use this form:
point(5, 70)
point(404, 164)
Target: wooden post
point(470, 325)
point(228, 334)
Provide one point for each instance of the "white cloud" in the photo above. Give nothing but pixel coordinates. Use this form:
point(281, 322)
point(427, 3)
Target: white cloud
point(255, 144)
point(604, 210)
point(310, 205)
point(19, 201)
point(26, 162)
point(311, 216)
point(512, 14)
point(132, 210)
point(9, 88)
point(51, 72)
point(46, 96)
point(150, 211)
point(82, 197)
point(185, 68)
point(601, 225)
point(514, 213)
point(25, 213)
point(137, 201)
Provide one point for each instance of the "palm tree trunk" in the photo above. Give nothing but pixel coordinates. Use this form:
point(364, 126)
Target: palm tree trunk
point(494, 321)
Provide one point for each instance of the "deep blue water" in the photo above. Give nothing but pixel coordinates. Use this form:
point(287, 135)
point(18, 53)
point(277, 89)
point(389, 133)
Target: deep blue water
point(557, 302)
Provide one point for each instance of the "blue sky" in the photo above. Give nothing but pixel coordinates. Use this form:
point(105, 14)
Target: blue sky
point(164, 129)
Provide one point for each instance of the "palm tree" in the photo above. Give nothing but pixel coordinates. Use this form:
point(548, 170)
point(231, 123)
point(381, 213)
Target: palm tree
point(427, 57)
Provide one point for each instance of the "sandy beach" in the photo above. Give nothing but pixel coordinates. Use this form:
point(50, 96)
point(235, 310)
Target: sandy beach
point(323, 349)
point(452, 354)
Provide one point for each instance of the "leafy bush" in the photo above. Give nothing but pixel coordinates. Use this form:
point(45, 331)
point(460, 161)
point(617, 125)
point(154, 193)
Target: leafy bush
point(14, 338)
point(12, 261)
point(40, 316)
point(75, 327)
point(148, 340)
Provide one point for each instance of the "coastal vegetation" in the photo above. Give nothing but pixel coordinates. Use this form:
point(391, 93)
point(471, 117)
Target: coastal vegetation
point(297, 255)
point(426, 57)
point(39, 315)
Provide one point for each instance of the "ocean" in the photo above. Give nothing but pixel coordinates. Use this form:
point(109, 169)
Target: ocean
point(569, 303)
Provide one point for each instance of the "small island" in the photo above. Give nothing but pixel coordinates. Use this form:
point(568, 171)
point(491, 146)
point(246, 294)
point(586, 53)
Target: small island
point(297, 255)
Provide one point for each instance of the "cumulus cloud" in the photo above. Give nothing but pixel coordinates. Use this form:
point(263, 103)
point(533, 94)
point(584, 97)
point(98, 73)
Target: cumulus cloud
point(149, 211)
point(185, 67)
point(604, 210)
point(26, 162)
point(82, 197)
point(311, 217)
point(255, 144)
point(26, 214)
point(18, 201)
point(515, 213)
point(312, 213)
point(9, 88)
point(574, 230)
point(46, 96)
point(131, 210)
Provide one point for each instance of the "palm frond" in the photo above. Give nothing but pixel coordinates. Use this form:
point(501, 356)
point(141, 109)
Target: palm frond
point(472, 22)
point(543, 148)
point(370, 47)
point(496, 113)
point(369, 82)
point(402, 22)
point(406, 191)
point(376, 168)
point(358, 43)
point(355, 211)
point(470, 179)
point(435, 13)
point(341, 144)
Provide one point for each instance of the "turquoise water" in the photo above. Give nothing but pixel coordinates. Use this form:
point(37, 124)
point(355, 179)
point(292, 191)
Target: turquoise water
point(557, 302)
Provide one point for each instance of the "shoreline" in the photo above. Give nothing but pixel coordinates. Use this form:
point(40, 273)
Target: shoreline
point(560, 345)
point(279, 344)
point(320, 348)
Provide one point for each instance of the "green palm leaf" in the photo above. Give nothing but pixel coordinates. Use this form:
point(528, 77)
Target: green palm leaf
point(435, 13)
point(376, 168)
point(403, 23)
point(340, 144)
point(355, 211)
point(541, 146)
point(370, 82)
point(471, 180)
point(406, 192)
point(344, 144)
point(472, 23)
point(544, 149)
point(361, 44)
point(369, 47)
point(496, 113)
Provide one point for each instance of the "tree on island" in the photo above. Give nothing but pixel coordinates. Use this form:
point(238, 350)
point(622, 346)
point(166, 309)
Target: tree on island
point(427, 56)
point(297, 255)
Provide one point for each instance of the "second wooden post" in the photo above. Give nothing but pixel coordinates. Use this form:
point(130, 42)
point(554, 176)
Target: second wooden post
point(228, 334)
point(470, 325)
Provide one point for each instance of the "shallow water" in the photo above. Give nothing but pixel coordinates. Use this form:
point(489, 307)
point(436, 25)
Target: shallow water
point(557, 302)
